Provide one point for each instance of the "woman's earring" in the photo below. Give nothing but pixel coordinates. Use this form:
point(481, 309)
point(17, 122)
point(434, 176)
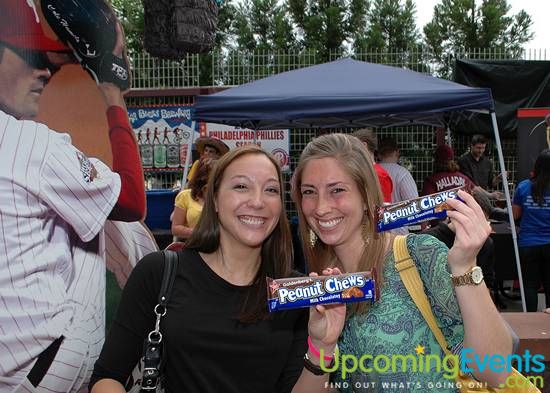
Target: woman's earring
point(312, 238)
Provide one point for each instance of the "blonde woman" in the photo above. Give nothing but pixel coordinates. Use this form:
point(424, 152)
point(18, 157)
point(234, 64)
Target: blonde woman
point(337, 192)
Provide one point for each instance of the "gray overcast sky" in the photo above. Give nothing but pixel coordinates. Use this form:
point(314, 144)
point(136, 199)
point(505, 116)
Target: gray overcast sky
point(538, 9)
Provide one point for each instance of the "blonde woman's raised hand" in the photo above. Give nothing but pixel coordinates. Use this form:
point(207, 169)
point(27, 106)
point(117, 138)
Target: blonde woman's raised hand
point(472, 230)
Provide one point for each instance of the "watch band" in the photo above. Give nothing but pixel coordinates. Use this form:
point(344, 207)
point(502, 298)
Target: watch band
point(468, 277)
point(313, 368)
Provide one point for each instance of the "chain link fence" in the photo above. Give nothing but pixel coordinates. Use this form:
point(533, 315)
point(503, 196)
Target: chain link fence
point(230, 68)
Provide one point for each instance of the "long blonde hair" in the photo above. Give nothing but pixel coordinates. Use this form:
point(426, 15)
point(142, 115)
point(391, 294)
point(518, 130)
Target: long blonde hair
point(356, 161)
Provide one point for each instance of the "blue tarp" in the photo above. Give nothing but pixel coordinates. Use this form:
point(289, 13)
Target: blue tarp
point(342, 93)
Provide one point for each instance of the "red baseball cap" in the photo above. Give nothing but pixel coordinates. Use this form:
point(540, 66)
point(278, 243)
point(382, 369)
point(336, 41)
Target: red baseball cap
point(444, 153)
point(20, 27)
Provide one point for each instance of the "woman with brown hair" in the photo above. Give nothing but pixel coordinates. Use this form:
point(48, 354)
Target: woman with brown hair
point(337, 193)
point(219, 336)
point(189, 202)
point(446, 173)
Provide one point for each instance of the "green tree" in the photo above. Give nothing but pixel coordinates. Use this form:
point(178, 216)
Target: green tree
point(326, 26)
point(469, 26)
point(262, 25)
point(264, 41)
point(130, 14)
point(390, 35)
point(392, 26)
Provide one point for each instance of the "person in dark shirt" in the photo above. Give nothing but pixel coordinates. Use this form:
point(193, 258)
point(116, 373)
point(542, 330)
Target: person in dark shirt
point(445, 231)
point(478, 167)
point(218, 334)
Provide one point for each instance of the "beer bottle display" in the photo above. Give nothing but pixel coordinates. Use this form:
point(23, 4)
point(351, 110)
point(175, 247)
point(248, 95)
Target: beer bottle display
point(159, 152)
point(146, 151)
point(172, 149)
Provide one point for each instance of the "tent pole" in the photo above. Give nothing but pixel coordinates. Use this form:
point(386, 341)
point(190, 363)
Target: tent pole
point(188, 156)
point(509, 207)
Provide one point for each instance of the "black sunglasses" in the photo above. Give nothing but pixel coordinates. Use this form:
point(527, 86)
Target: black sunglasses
point(34, 58)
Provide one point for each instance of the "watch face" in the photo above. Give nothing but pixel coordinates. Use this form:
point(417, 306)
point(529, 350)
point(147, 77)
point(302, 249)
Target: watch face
point(477, 275)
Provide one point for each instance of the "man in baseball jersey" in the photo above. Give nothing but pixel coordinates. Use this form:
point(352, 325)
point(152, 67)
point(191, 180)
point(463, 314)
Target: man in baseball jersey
point(54, 203)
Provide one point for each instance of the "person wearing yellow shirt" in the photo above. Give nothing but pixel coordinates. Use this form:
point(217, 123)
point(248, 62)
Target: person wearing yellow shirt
point(189, 202)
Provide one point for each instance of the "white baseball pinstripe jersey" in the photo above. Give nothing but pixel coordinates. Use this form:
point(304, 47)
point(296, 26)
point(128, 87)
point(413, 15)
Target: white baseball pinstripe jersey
point(126, 243)
point(53, 206)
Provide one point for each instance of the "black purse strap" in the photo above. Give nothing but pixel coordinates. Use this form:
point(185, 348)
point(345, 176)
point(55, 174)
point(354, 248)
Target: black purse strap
point(153, 349)
point(170, 268)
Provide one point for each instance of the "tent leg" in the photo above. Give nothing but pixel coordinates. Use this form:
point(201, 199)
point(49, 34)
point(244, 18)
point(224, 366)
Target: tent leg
point(509, 207)
point(188, 156)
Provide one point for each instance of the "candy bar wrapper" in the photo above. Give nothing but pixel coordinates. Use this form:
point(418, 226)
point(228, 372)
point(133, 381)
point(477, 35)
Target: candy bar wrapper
point(429, 207)
point(288, 293)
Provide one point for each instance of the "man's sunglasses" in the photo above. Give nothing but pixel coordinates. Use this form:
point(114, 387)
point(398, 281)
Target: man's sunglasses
point(34, 58)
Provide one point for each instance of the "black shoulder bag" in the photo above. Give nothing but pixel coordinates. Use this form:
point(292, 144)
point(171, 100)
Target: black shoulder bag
point(147, 375)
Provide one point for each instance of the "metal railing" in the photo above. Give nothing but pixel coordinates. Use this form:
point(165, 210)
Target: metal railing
point(234, 68)
point(149, 72)
point(231, 68)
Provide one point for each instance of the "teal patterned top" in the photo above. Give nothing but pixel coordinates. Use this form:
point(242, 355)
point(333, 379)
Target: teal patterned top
point(394, 326)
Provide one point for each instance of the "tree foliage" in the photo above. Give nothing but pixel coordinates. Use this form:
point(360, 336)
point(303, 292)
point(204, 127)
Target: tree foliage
point(324, 26)
point(262, 25)
point(130, 14)
point(391, 26)
point(467, 25)
point(326, 29)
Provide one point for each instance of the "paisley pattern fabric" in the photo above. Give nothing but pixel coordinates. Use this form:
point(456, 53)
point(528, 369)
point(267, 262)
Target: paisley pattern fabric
point(394, 326)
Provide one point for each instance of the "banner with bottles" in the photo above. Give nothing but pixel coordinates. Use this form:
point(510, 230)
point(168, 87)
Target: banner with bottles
point(164, 135)
point(277, 142)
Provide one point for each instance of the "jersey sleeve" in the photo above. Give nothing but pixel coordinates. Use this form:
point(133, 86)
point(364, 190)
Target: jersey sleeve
point(82, 191)
point(125, 244)
point(430, 256)
point(130, 205)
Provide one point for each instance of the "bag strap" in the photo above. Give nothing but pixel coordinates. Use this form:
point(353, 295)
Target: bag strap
point(171, 259)
point(406, 267)
point(153, 348)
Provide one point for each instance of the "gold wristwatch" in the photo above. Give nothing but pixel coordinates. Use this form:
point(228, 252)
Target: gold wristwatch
point(474, 276)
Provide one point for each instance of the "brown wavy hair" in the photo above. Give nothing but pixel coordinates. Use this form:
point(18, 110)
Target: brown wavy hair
point(446, 166)
point(276, 254)
point(200, 178)
point(356, 161)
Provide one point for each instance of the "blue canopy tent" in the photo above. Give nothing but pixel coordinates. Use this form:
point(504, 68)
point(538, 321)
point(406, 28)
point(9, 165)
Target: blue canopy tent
point(342, 93)
point(351, 93)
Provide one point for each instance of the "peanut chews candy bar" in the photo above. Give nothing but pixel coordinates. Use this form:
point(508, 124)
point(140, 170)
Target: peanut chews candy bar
point(288, 293)
point(429, 207)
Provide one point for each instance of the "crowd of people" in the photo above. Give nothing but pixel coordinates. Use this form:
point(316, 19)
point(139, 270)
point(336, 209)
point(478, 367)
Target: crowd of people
point(218, 334)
